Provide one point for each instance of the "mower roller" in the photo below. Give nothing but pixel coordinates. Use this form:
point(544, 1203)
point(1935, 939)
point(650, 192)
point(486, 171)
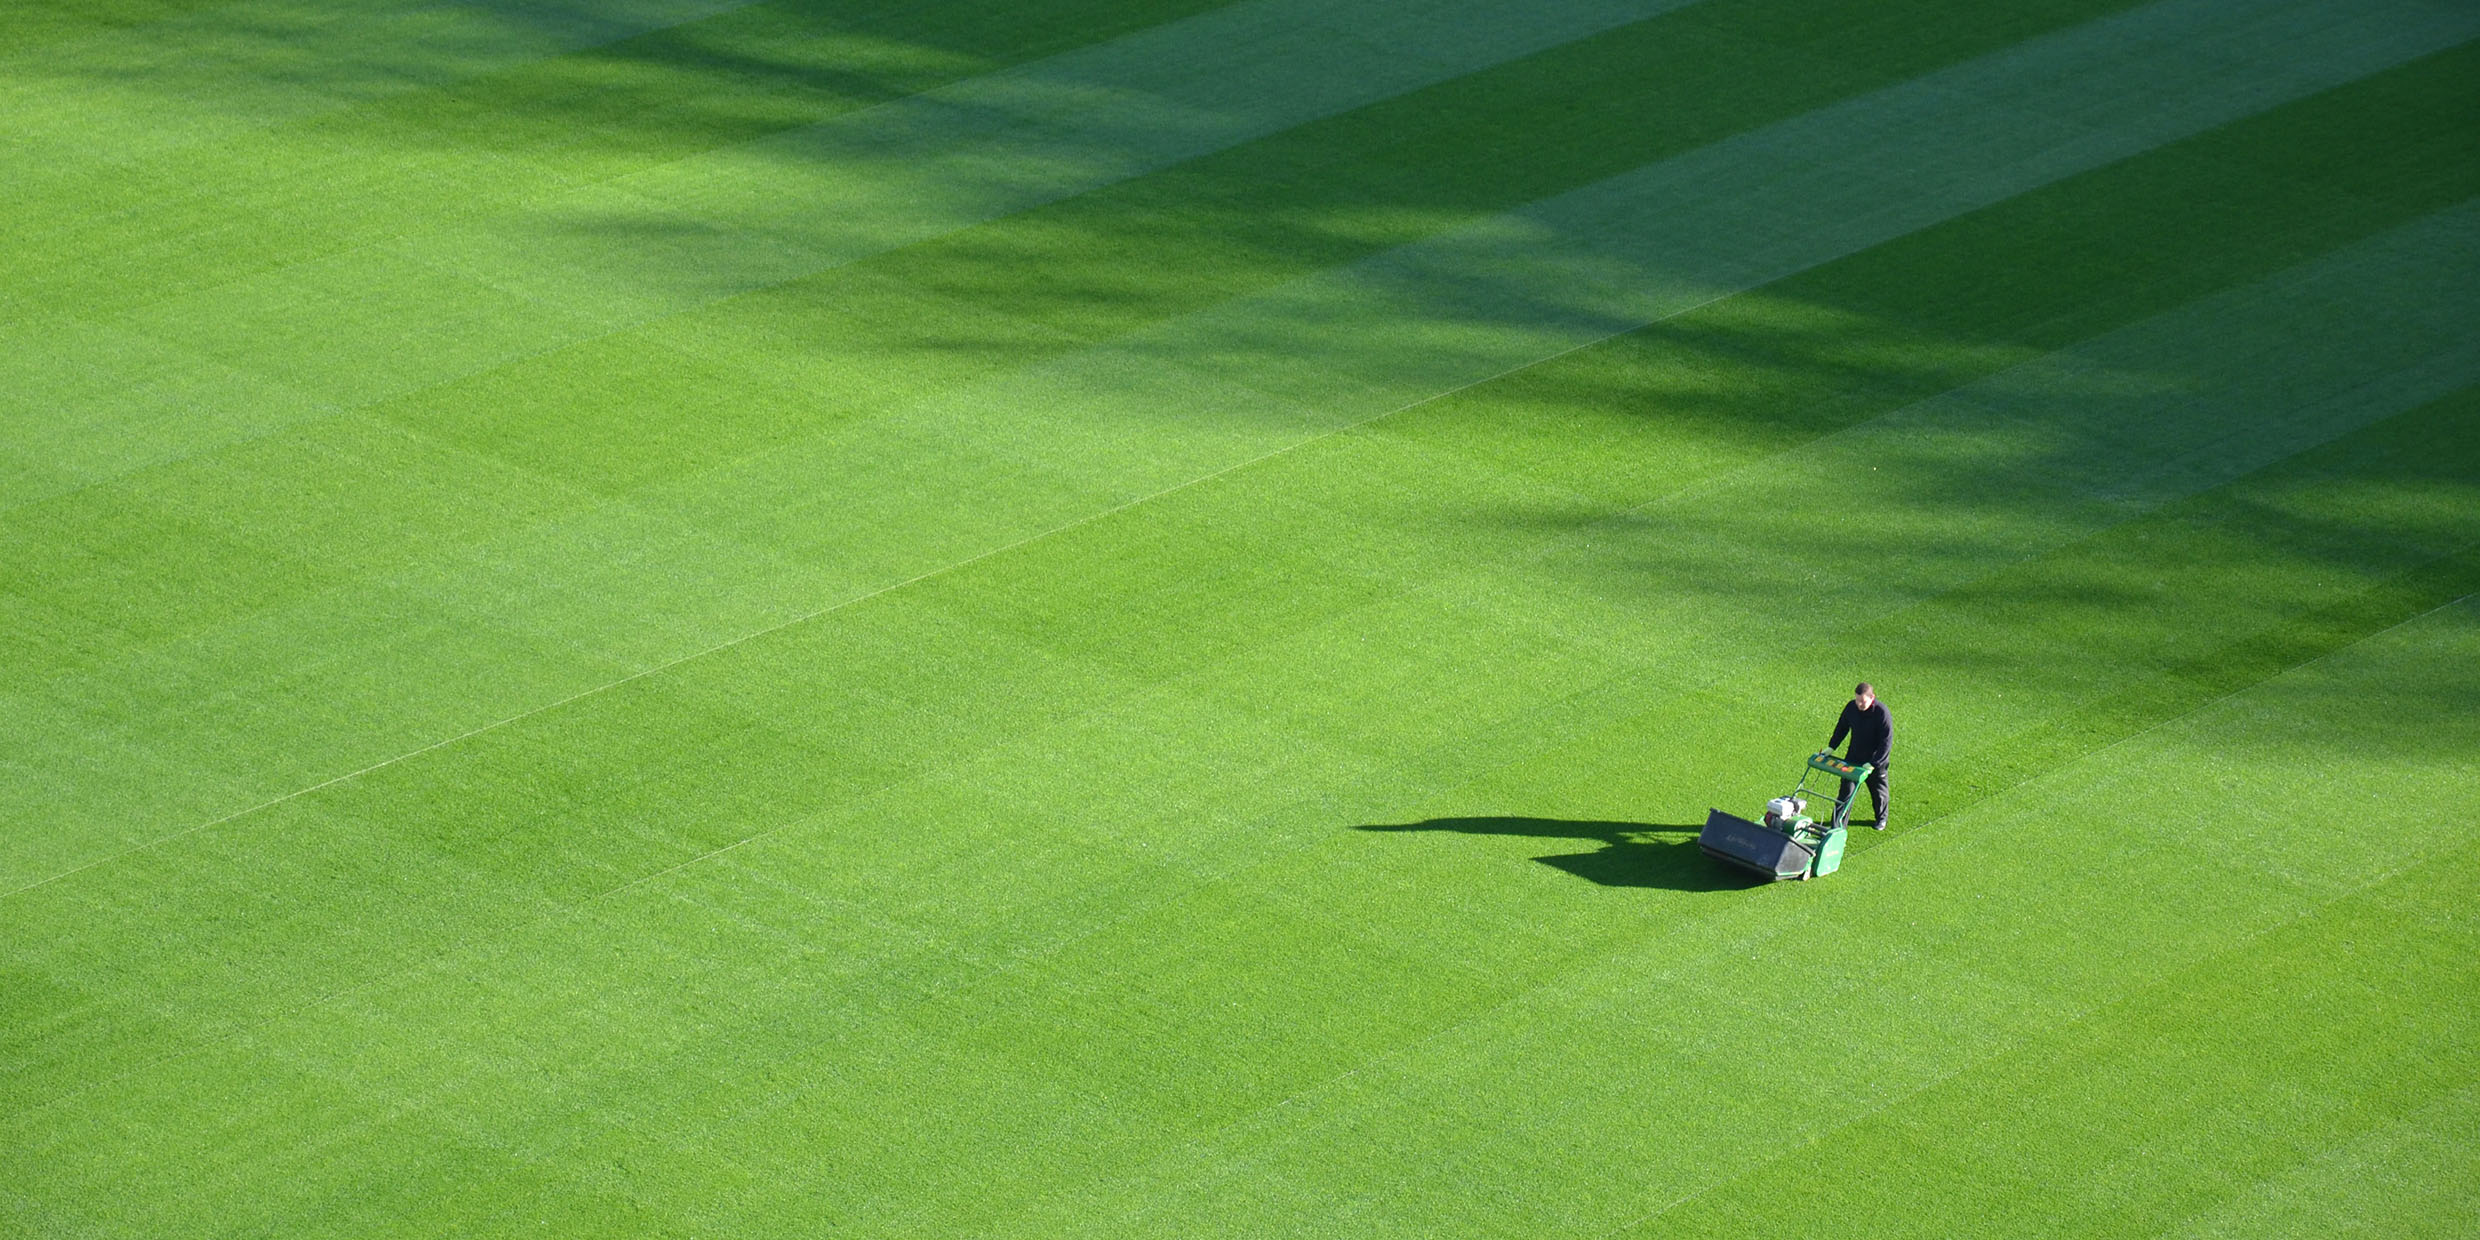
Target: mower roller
point(1787, 843)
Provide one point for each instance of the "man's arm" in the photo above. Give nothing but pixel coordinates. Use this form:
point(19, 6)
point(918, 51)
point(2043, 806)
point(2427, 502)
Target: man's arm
point(1842, 726)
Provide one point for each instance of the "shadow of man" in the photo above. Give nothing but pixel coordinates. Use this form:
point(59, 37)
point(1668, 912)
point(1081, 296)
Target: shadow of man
point(1632, 854)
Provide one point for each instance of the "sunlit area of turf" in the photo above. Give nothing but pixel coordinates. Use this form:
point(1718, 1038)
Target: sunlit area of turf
point(1117, 618)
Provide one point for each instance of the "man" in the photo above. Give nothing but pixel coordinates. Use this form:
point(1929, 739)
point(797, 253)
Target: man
point(1872, 731)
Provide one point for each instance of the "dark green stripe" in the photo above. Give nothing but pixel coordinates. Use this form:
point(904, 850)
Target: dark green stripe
point(1843, 343)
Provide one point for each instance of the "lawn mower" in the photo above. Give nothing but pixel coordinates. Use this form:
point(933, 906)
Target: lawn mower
point(1787, 843)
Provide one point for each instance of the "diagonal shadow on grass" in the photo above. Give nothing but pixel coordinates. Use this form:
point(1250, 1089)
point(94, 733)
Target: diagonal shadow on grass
point(1629, 857)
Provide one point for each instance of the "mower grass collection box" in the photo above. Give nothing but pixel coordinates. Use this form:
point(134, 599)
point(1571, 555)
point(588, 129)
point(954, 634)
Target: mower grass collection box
point(1786, 844)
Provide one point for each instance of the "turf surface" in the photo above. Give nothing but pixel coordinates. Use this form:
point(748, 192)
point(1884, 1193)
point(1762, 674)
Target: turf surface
point(1113, 617)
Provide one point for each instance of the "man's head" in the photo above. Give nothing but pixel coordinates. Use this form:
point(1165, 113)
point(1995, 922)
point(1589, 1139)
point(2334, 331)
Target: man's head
point(1865, 695)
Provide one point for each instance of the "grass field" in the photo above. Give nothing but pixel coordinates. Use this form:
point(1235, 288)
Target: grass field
point(1111, 618)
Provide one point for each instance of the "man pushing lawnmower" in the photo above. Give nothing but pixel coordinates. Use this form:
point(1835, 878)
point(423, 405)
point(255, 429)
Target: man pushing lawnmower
point(1786, 843)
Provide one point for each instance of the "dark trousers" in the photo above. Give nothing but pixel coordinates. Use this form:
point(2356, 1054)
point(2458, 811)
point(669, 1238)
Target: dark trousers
point(1879, 797)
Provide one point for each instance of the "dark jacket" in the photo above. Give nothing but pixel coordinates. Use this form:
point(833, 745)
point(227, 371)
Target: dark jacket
point(1871, 731)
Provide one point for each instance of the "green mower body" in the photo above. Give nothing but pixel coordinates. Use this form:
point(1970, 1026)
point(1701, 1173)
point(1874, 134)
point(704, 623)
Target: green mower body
point(1829, 856)
point(1781, 847)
